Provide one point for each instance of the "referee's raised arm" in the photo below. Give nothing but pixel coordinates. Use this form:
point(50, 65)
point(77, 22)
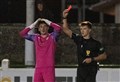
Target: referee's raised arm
point(65, 26)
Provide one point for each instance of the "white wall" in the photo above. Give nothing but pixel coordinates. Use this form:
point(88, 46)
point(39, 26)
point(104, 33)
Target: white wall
point(62, 75)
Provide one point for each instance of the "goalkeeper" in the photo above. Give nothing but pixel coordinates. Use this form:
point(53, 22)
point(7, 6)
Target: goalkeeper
point(45, 46)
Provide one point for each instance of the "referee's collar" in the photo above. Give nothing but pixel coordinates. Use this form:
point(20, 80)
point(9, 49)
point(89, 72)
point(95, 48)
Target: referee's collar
point(87, 39)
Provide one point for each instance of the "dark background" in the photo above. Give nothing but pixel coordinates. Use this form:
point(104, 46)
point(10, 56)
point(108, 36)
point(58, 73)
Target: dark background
point(14, 11)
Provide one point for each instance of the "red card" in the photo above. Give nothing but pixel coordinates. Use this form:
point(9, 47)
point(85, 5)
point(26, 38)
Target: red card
point(69, 8)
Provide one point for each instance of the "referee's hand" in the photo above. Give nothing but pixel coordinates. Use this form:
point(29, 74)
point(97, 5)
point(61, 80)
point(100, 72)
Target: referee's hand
point(87, 60)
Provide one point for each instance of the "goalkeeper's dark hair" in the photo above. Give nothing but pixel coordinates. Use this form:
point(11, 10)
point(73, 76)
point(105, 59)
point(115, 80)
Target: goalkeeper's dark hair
point(42, 22)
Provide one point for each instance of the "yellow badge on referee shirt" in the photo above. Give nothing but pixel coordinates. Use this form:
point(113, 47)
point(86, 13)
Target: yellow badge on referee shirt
point(88, 52)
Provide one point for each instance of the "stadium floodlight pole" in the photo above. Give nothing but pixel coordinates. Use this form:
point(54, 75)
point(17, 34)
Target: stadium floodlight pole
point(117, 13)
point(62, 5)
point(79, 10)
point(29, 49)
point(101, 16)
point(83, 9)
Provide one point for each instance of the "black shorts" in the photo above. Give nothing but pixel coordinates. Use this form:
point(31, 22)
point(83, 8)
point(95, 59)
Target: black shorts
point(86, 74)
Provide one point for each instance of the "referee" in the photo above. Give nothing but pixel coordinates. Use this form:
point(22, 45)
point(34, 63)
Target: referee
point(89, 51)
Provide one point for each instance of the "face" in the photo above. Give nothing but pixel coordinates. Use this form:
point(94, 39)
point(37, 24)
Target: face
point(43, 29)
point(85, 31)
point(40, 7)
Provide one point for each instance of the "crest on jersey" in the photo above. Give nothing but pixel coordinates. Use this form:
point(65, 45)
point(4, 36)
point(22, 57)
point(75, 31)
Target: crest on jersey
point(87, 52)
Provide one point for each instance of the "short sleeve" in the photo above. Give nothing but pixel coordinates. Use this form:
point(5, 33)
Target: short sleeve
point(101, 48)
point(76, 38)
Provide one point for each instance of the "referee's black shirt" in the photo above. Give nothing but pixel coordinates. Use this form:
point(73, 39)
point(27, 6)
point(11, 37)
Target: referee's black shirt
point(87, 48)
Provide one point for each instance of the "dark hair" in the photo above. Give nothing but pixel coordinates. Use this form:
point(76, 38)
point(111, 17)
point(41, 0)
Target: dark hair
point(89, 24)
point(41, 2)
point(42, 22)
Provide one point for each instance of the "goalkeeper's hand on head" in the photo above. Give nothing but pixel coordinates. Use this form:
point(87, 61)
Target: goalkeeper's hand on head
point(47, 21)
point(33, 24)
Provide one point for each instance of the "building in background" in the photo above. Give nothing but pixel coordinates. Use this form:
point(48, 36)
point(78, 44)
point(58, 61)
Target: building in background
point(109, 7)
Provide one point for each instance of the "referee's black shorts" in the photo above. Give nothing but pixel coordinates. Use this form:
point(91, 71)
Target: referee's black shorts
point(86, 74)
